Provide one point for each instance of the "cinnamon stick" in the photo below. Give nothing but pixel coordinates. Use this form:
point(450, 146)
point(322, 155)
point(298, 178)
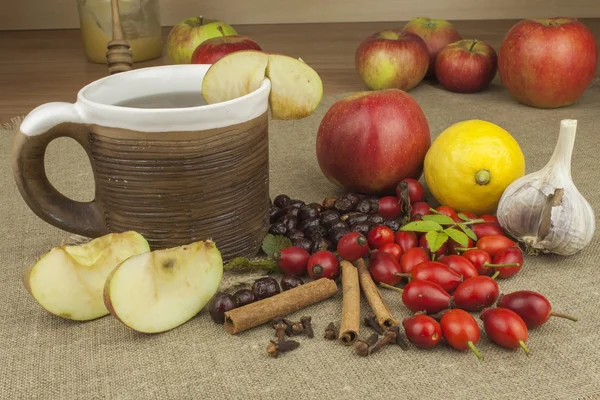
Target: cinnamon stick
point(350, 323)
point(369, 288)
point(265, 310)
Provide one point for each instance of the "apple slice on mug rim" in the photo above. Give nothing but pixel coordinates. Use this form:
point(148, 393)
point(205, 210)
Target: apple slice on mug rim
point(296, 88)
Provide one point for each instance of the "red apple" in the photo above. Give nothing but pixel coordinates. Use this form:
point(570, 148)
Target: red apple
point(212, 50)
point(466, 66)
point(436, 33)
point(547, 63)
point(369, 141)
point(392, 59)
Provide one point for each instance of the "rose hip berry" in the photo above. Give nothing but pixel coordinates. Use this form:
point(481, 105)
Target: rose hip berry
point(487, 229)
point(493, 244)
point(406, 240)
point(290, 281)
point(534, 308)
point(454, 246)
point(505, 328)
point(422, 330)
point(449, 212)
point(508, 262)
point(477, 293)
point(384, 268)
point(353, 246)
point(380, 235)
point(490, 218)
point(438, 273)
point(221, 303)
point(480, 259)
point(265, 287)
point(425, 296)
point(389, 208)
point(392, 249)
point(420, 208)
point(460, 264)
point(413, 257)
point(461, 330)
point(292, 260)
point(412, 189)
point(323, 264)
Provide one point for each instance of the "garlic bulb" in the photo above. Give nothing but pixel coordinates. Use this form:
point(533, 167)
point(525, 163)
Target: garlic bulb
point(544, 210)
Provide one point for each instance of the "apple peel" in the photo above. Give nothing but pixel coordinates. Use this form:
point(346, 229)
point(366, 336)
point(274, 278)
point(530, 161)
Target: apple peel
point(68, 281)
point(296, 88)
point(163, 289)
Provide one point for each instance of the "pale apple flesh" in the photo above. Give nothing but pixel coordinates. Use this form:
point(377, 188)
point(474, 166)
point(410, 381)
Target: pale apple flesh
point(161, 290)
point(296, 88)
point(68, 281)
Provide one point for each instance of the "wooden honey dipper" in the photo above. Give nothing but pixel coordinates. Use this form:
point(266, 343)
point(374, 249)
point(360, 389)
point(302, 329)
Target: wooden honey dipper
point(118, 57)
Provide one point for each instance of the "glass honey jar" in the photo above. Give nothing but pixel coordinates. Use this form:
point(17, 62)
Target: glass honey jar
point(140, 22)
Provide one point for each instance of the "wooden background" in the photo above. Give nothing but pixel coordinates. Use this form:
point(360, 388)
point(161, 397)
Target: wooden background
point(62, 14)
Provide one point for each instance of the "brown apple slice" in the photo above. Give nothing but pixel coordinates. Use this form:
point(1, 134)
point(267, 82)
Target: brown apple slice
point(158, 291)
point(296, 88)
point(68, 281)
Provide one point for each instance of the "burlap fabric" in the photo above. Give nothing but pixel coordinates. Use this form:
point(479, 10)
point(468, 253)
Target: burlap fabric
point(45, 357)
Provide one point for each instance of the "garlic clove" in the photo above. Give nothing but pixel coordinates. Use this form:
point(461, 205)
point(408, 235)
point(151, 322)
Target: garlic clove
point(544, 210)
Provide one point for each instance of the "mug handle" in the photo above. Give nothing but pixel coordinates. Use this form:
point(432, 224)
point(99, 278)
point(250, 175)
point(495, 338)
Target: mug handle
point(40, 127)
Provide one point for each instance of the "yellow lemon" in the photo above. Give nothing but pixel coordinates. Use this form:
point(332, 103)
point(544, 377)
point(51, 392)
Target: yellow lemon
point(470, 164)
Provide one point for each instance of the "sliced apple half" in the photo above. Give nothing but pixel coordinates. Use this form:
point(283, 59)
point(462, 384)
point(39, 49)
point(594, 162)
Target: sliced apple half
point(68, 281)
point(296, 88)
point(158, 291)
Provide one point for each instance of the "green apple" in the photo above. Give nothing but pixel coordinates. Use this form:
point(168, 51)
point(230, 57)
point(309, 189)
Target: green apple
point(296, 88)
point(68, 281)
point(186, 35)
point(160, 290)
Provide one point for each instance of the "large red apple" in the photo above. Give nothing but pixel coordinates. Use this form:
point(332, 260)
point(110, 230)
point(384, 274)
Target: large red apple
point(212, 50)
point(369, 141)
point(466, 66)
point(436, 33)
point(392, 59)
point(548, 63)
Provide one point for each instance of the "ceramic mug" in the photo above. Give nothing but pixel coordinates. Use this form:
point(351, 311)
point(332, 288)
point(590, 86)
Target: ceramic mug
point(175, 175)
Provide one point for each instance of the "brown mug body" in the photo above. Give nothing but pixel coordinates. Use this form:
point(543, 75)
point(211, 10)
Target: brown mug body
point(174, 187)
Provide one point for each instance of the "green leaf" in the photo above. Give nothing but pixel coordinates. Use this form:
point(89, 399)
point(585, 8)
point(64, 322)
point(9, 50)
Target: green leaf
point(422, 226)
point(463, 217)
point(457, 236)
point(435, 240)
point(272, 243)
point(438, 218)
point(468, 231)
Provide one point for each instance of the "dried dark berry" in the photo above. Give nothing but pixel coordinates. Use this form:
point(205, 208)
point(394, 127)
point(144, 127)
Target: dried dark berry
point(329, 202)
point(363, 206)
point(362, 227)
point(315, 232)
point(290, 281)
point(295, 234)
point(273, 214)
point(306, 223)
point(374, 201)
point(323, 244)
point(297, 203)
point(307, 211)
point(244, 296)
point(353, 197)
point(303, 243)
point(343, 205)
point(376, 219)
point(219, 304)
point(392, 224)
point(278, 228)
point(282, 201)
point(329, 215)
point(290, 222)
point(356, 217)
point(265, 287)
point(336, 234)
point(317, 207)
point(337, 224)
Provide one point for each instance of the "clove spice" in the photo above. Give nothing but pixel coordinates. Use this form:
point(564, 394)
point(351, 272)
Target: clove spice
point(306, 323)
point(274, 348)
point(372, 323)
point(362, 347)
point(399, 339)
point(297, 328)
point(331, 332)
point(389, 337)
